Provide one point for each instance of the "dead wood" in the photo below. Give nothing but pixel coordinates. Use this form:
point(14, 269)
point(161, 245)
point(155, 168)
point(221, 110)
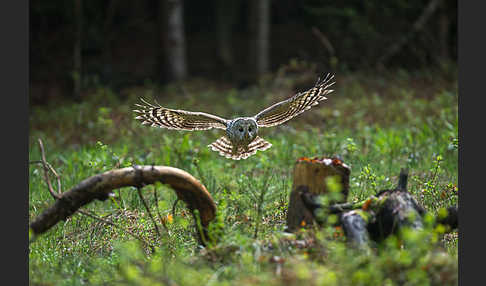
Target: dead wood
point(48, 167)
point(375, 218)
point(156, 227)
point(394, 209)
point(310, 179)
point(187, 188)
point(354, 224)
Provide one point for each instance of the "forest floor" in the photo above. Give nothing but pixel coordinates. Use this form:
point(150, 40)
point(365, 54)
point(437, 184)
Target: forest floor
point(376, 124)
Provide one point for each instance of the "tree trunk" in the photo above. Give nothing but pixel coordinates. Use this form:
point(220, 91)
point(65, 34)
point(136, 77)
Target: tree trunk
point(108, 38)
point(172, 39)
point(161, 29)
point(225, 19)
point(310, 180)
point(444, 24)
point(259, 36)
point(78, 30)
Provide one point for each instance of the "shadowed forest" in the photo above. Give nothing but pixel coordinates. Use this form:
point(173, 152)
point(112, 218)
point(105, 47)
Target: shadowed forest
point(125, 43)
point(392, 118)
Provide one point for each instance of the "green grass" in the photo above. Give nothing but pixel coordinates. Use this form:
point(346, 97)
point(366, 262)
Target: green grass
point(376, 125)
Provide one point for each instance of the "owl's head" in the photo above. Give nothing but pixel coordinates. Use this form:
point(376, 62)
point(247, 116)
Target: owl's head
point(244, 129)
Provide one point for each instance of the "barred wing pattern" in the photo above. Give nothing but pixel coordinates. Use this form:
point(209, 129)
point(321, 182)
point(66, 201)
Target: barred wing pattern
point(225, 148)
point(158, 116)
point(285, 110)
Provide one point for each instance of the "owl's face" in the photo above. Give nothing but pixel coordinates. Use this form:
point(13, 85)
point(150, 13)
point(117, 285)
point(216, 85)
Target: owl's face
point(243, 130)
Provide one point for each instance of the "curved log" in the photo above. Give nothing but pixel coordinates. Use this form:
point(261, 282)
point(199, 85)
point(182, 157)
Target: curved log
point(187, 188)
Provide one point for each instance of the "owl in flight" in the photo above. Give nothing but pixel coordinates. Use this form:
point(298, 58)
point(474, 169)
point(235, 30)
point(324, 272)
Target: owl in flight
point(241, 139)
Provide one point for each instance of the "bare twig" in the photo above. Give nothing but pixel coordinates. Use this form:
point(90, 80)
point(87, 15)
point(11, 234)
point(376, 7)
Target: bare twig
point(157, 204)
point(100, 187)
point(47, 166)
point(93, 216)
point(46, 173)
point(149, 212)
point(59, 189)
point(79, 231)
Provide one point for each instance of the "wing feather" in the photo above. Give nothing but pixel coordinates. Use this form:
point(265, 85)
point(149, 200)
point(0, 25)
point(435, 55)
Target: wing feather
point(158, 116)
point(285, 110)
point(225, 148)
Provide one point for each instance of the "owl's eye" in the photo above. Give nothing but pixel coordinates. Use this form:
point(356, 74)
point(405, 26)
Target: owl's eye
point(241, 129)
point(249, 129)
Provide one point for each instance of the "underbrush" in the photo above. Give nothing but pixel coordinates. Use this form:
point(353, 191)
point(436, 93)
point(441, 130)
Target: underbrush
point(377, 133)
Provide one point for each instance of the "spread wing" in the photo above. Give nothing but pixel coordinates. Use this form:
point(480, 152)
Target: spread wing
point(285, 110)
point(158, 116)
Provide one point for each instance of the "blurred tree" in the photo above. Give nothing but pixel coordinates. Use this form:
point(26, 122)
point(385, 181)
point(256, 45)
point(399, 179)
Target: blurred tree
point(225, 19)
point(73, 43)
point(172, 63)
point(417, 26)
point(259, 26)
point(444, 34)
point(77, 74)
point(107, 39)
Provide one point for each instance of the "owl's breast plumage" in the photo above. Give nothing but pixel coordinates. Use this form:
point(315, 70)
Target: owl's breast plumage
point(237, 136)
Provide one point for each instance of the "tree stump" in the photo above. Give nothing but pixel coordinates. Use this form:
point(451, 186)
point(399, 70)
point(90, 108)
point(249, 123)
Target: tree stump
point(310, 179)
point(373, 219)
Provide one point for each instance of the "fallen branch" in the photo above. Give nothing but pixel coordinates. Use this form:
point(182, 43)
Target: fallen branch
point(46, 166)
point(152, 247)
point(100, 186)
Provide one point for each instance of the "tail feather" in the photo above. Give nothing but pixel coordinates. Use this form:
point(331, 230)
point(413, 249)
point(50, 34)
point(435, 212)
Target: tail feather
point(224, 147)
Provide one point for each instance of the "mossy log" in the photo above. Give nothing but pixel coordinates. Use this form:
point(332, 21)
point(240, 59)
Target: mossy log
point(187, 188)
point(310, 179)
